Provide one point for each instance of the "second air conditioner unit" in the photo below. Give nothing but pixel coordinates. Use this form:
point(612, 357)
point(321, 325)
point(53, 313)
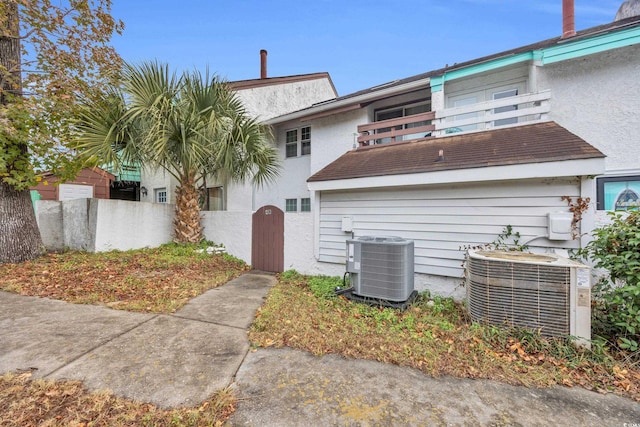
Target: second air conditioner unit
point(543, 292)
point(381, 267)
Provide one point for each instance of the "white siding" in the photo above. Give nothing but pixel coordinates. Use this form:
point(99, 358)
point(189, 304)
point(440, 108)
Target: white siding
point(443, 219)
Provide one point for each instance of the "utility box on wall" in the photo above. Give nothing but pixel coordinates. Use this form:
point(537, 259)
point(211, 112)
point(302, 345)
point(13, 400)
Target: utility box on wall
point(560, 225)
point(347, 224)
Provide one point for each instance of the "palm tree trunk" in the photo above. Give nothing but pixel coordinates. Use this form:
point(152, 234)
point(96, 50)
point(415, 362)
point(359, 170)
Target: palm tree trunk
point(19, 234)
point(186, 225)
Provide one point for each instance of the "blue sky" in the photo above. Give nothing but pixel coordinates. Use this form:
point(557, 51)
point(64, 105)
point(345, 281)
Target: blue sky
point(361, 43)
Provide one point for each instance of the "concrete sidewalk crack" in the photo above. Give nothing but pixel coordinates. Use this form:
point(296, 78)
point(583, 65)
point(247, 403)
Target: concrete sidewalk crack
point(97, 346)
point(208, 322)
point(235, 373)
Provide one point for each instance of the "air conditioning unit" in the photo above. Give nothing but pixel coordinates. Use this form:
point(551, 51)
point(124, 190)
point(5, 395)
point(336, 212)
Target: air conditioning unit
point(381, 267)
point(542, 292)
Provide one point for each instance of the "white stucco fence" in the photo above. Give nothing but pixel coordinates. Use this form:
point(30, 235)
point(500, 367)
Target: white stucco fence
point(98, 225)
point(232, 229)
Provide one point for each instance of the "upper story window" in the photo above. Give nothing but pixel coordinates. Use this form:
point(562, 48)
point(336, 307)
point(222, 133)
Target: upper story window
point(402, 111)
point(295, 138)
point(505, 94)
point(473, 119)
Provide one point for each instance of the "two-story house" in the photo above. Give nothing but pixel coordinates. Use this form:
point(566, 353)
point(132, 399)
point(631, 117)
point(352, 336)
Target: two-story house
point(263, 98)
point(451, 157)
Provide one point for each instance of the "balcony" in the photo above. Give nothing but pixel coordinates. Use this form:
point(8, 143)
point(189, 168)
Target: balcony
point(512, 111)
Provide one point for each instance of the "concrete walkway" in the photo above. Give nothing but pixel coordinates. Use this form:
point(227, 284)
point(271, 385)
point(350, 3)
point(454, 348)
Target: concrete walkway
point(181, 359)
point(168, 360)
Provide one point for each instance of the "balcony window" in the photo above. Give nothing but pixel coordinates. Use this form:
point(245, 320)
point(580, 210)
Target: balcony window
point(474, 120)
point(501, 95)
point(462, 102)
point(397, 112)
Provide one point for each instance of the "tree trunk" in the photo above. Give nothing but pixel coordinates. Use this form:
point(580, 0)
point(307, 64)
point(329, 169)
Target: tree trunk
point(10, 57)
point(19, 234)
point(186, 225)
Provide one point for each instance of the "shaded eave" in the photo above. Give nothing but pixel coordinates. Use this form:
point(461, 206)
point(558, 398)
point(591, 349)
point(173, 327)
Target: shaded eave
point(396, 87)
point(272, 81)
point(530, 151)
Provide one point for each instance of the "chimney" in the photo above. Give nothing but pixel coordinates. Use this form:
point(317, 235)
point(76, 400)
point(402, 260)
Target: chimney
point(263, 64)
point(568, 19)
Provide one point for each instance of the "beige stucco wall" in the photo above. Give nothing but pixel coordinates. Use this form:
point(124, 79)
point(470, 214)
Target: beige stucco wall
point(597, 97)
point(271, 101)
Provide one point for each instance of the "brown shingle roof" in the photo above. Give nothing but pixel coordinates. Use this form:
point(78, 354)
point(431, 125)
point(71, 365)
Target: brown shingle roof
point(535, 143)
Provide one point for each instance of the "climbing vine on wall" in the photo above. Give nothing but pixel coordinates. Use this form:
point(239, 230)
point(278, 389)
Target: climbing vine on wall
point(577, 208)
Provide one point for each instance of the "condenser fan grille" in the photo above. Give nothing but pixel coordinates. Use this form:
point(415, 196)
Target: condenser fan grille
point(384, 272)
point(520, 295)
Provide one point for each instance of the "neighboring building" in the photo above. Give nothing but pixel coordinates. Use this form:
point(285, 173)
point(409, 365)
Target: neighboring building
point(263, 98)
point(451, 157)
point(89, 183)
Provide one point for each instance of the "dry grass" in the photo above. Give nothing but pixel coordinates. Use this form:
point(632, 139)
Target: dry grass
point(434, 335)
point(25, 402)
point(158, 280)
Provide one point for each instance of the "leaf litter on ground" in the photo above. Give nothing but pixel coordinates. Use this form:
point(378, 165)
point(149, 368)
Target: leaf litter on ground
point(434, 335)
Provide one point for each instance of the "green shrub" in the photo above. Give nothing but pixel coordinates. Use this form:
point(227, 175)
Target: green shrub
point(616, 248)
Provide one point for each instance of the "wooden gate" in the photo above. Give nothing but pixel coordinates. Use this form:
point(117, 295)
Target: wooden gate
point(267, 239)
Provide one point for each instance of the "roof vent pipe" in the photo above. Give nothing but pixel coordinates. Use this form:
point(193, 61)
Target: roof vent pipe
point(263, 64)
point(568, 19)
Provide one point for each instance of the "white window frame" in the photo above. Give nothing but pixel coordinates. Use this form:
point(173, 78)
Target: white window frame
point(305, 141)
point(290, 143)
point(501, 95)
point(160, 195)
point(402, 109)
point(487, 93)
point(302, 142)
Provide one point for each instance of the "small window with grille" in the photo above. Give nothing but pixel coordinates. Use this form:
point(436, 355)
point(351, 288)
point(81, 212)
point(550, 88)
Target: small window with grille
point(291, 205)
point(305, 204)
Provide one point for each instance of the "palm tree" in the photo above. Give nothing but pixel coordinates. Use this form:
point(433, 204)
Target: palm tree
point(192, 126)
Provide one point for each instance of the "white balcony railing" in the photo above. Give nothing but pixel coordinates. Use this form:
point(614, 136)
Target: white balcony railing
point(520, 109)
